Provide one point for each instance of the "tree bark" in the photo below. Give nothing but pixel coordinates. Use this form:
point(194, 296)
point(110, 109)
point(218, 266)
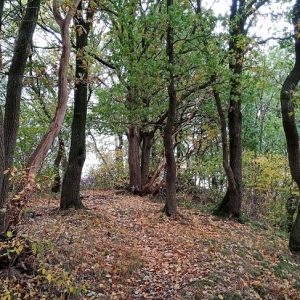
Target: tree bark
point(70, 196)
point(10, 126)
point(2, 150)
point(171, 202)
point(59, 160)
point(119, 155)
point(135, 179)
point(147, 143)
point(148, 188)
point(290, 126)
point(223, 207)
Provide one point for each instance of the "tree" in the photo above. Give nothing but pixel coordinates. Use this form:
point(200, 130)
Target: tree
point(137, 44)
point(16, 204)
point(2, 150)
point(71, 184)
point(40, 152)
point(262, 124)
point(10, 125)
point(288, 103)
point(171, 201)
point(240, 12)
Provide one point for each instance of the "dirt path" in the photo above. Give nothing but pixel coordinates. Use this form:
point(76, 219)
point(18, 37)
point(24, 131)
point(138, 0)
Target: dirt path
point(123, 247)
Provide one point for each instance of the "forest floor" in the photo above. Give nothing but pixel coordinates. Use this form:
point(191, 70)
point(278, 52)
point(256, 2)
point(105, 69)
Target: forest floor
point(123, 247)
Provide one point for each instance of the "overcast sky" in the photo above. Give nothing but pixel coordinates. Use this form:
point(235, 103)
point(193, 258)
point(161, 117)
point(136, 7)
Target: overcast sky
point(265, 26)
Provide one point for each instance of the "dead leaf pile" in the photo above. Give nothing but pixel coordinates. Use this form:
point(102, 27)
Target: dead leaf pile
point(124, 247)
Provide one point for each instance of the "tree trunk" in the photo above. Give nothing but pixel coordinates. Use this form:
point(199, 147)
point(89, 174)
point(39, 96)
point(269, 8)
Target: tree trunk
point(237, 19)
point(135, 180)
point(40, 152)
point(119, 155)
point(147, 143)
point(224, 206)
point(2, 157)
point(10, 126)
point(291, 206)
point(290, 126)
point(148, 188)
point(235, 154)
point(171, 202)
point(2, 151)
point(59, 160)
point(231, 203)
point(70, 196)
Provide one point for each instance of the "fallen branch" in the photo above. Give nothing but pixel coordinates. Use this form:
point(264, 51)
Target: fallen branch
point(148, 188)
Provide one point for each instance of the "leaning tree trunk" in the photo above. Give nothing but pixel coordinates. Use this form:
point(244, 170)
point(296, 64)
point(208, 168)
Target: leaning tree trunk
point(61, 152)
point(171, 201)
point(290, 126)
point(17, 203)
point(70, 195)
point(9, 128)
point(40, 152)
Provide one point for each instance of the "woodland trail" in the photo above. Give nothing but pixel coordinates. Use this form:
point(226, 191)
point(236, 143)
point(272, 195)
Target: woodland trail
point(123, 247)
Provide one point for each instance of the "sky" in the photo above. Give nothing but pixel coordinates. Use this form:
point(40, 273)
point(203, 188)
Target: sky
point(265, 26)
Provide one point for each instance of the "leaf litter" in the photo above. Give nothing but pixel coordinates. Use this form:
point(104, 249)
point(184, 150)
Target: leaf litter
point(124, 247)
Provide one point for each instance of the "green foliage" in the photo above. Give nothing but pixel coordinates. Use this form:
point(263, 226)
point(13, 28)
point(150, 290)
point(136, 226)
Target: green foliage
point(267, 187)
point(266, 172)
point(111, 173)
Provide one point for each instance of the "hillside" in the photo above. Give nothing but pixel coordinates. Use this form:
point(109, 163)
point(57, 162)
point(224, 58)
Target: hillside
point(123, 247)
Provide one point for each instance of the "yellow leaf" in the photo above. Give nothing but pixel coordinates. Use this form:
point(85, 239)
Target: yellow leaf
point(197, 76)
point(9, 234)
point(6, 171)
point(49, 277)
point(19, 249)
